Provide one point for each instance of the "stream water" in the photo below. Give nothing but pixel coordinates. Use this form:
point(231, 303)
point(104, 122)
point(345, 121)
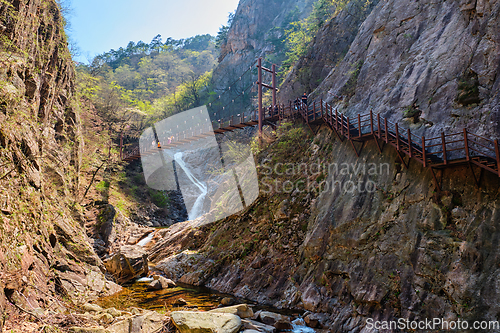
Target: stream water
point(197, 298)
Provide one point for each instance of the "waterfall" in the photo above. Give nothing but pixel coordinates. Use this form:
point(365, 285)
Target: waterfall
point(195, 211)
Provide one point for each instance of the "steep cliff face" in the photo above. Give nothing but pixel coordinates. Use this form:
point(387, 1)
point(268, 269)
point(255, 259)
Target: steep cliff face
point(248, 37)
point(328, 49)
point(43, 248)
point(441, 57)
point(379, 241)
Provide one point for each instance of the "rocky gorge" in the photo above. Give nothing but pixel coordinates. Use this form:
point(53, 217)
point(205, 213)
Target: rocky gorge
point(335, 256)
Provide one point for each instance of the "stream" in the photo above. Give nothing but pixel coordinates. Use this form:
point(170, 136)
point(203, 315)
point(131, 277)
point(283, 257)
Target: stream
point(197, 298)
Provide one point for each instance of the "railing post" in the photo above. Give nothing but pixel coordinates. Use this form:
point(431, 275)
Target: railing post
point(314, 110)
point(259, 78)
point(409, 142)
point(397, 136)
point(378, 126)
point(322, 108)
point(273, 68)
point(371, 121)
point(497, 153)
point(337, 120)
point(386, 131)
point(466, 144)
point(348, 129)
point(424, 154)
point(359, 125)
point(443, 142)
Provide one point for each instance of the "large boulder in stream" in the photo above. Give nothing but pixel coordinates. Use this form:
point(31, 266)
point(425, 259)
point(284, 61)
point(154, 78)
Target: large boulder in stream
point(240, 310)
point(206, 322)
point(130, 262)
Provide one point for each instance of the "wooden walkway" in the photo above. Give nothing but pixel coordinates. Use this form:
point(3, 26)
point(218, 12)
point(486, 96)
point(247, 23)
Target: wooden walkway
point(436, 153)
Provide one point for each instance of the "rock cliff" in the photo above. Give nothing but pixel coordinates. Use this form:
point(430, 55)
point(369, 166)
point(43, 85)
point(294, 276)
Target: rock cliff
point(399, 248)
point(44, 250)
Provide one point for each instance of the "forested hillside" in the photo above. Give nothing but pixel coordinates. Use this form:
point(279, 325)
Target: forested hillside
point(153, 80)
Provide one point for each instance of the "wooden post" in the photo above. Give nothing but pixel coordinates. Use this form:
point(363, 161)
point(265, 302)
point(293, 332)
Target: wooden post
point(497, 152)
point(378, 126)
point(397, 137)
point(348, 129)
point(274, 85)
point(314, 110)
point(337, 120)
point(466, 143)
point(259, 89)
point(409, 142)
point(386, 131)
point(424, 154)
point(322, 108)
point(371, 121)
point(359, 125)
point(443, 142)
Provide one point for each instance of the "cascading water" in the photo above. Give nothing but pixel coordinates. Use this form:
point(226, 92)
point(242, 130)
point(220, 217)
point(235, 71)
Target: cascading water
point(195, 211)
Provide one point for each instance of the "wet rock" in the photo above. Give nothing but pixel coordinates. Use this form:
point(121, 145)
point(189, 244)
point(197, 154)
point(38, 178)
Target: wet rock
point(155, 285)
point(205, 322)
point(128, 263)
point(240, 310)
point(179, 302)
point(253, 325)
point(282, 325)
point(226, 301)
point(270, 318)
point(316, 320)
point(165, 283)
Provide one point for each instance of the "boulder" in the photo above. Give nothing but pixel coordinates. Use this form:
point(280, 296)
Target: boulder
point(270, 318)
point(145, 322)
point(316, 320)
point(165, 283)
point(241, 310)
point(91, 307)
point(206, 322)
point(226, 301)
point(283, 325)
point(128, 263)
point(253, 325)
point(155, 285)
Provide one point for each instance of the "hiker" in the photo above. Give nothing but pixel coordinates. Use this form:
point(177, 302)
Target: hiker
point(304, 99)
point(159, 146)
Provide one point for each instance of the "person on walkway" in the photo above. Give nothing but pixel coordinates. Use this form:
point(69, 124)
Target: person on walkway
point(304, 99)
point(159, 145)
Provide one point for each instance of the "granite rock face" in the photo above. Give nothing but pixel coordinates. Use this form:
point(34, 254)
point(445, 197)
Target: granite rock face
point(43, 248)
point(439, 57)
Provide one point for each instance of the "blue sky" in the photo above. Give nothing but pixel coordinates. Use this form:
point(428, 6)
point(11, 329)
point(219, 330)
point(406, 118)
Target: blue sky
point(98, 26)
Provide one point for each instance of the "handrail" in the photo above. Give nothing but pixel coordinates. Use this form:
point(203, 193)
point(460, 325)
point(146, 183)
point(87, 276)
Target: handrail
point(454, 146)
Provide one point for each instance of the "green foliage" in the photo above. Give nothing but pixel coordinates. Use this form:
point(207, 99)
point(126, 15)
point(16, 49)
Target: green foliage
point(221, 37)
point(299, 34)
point(159, 198)
point(102, 186)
